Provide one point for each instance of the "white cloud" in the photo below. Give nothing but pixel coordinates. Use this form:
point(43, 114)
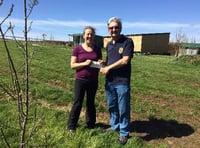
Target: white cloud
point(53, 22)
point(56, 27)
point(79, 23)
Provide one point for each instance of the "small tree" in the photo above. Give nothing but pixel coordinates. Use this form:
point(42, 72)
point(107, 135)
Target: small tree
point(17, 93)
point(44, 36)
point(180, 39)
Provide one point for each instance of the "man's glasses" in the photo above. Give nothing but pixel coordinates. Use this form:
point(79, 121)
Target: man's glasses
point(114, 27)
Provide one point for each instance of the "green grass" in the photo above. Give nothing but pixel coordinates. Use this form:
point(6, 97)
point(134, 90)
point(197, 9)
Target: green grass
point(162, 73)
point(159, 83)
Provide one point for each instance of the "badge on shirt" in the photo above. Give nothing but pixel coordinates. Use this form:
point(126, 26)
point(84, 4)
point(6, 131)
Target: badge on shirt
point(121, 50)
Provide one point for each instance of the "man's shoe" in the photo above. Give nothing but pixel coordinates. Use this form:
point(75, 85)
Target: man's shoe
point(123, 140)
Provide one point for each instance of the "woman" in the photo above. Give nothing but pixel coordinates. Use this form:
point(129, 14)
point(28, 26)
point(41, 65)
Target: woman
point(82, 58)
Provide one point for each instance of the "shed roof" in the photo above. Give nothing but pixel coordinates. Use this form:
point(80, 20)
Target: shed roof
point(143, 34)
point(191, 45)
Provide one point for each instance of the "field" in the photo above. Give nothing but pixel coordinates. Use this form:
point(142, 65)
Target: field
point(165, 102)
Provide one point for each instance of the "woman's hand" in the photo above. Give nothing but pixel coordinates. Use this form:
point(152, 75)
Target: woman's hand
point(102, 62)
point(88, 62)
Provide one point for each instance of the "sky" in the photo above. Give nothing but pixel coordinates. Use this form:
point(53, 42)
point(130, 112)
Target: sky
point(57, 19)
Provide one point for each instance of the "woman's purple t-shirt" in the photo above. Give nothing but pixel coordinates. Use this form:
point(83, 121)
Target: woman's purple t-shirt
point(87, 72)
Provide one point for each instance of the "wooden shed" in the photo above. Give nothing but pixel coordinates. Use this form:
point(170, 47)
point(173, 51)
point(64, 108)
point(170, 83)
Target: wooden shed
point(153, 43)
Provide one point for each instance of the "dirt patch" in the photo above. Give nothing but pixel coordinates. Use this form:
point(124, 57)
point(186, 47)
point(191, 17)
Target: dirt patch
point(183, 132)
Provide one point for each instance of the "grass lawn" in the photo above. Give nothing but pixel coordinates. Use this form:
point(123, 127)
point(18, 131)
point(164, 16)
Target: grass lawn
point(165, 100)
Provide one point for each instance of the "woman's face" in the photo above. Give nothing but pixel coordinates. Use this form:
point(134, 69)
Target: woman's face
point(89, 36)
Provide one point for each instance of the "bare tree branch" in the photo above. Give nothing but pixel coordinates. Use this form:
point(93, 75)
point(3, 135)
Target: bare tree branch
point(4, 137)
point(31, 5)
point(7, 91)
point(9, 14)
point(25, 119)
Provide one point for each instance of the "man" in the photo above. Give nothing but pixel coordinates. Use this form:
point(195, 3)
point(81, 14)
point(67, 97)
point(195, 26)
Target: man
point(118, 75)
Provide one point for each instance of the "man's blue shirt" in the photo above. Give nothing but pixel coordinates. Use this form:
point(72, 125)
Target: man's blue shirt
point(123, 47)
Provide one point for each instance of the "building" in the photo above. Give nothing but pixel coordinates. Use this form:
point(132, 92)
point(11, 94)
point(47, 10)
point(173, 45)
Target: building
point(152, 43)
point(189, 49)
point(78, 39)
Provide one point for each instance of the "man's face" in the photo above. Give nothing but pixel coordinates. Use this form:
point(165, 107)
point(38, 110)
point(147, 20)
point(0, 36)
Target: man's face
point(114, 29)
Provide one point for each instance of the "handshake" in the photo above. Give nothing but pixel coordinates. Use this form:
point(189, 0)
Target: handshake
point(100, 65)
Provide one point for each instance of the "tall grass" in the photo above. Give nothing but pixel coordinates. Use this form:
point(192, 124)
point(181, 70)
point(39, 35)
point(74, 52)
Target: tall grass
point(51, 81)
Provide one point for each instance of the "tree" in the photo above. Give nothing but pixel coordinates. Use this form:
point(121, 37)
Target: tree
point(180, 39)
point(17, 93)
point(44, 36)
